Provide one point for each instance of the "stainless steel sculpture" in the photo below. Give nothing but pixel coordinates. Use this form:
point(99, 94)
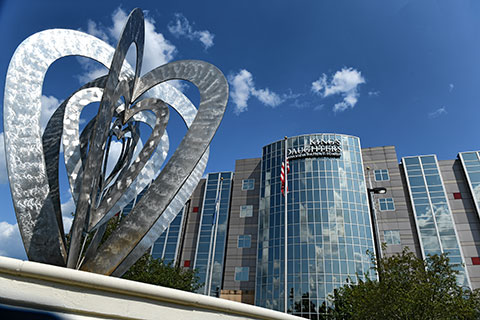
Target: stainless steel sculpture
point(125, 100)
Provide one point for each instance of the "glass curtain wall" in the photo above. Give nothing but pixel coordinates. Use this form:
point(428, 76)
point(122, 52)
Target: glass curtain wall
point(471, 166)
point(433, 216)
point(126, 210)
point(167, 245)
point(212, 234)
point(329, 228)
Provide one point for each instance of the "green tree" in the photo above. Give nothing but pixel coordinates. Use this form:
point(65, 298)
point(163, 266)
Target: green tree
point(153, 271)
point(410, 288)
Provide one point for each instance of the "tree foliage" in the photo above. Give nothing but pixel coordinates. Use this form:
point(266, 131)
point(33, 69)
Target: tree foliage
point(153, 271)
point(410, 288)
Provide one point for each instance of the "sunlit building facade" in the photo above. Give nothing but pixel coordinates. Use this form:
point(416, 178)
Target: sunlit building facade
point(432, 213)
point(212, 234)
point(167, 246)
point(471, 166)
point(328, 222)
point(232, 230)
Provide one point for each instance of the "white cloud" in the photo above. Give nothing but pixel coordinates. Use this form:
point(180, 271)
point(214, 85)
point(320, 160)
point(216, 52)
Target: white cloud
point(68, 209)
point(181, 27)
point(94, 30)
point(267, 97)
point(344, 82)
point(206, 37)
point(67, 224)
point(157, 50)
point(119, 17)
point(242, 87)
point(374, 93)
point(437, 113)
point(450, 87)
point(113, 156)
point(320, 84)
point(10, 241)
point(92, 69)
point(49, 105)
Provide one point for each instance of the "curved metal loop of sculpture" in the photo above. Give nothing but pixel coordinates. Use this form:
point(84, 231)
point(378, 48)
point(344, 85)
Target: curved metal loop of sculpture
point(33, 158)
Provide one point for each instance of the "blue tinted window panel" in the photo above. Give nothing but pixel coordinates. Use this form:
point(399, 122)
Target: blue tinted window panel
point(244, 241)
point(166, 246)
point(386, 204)
point(328, 224)
point(381, 175)
point(392, 237)
point(210, 251)
point(241, 273)
point(433, 216)
point(471, 165)
point(248, 184)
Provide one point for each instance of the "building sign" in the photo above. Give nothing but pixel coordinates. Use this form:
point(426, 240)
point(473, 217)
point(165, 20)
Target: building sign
point(317, 148)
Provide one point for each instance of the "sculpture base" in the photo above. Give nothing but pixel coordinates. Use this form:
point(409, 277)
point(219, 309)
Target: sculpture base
point(72, 294)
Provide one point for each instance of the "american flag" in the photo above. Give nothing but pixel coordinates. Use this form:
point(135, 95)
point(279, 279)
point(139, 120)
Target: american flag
point(282, 176)
point(217, 207)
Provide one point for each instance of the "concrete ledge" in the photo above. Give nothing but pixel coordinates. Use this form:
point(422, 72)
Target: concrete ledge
point(81, 295)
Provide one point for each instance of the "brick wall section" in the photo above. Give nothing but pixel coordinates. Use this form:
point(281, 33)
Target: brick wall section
point(402, 218)
point(242, 257)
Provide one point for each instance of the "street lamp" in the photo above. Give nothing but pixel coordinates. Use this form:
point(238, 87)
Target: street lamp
point(376, 237)
point(379, 190)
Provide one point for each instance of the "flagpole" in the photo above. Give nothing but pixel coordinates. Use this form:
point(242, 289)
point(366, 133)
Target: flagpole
point(285, 172)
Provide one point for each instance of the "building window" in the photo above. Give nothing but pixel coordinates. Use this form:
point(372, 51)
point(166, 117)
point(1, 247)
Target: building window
point(186, 263)
point(476, 261)
point(457, 195)
point(246, 211)
point(392, 236)
point(244, 241)
point(248, 184)
point(381, 175)
point(386, 204)
point(241, 273)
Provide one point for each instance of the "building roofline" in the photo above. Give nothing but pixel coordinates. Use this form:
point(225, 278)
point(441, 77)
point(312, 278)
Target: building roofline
point(311, 134)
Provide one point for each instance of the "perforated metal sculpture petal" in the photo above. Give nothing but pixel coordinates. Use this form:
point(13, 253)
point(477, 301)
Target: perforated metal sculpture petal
point(32, 158)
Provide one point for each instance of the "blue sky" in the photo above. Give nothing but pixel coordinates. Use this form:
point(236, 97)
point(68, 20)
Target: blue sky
point(403, 73)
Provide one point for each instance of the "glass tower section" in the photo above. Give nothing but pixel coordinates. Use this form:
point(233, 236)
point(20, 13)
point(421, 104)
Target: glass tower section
point(167, 245)
point(126, 210)
point(212, 234)
point(471, 167)
point(328, 225)
point(433, 217)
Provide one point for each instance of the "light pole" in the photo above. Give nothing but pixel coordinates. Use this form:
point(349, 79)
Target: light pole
point(376, 236)
point(373, 217)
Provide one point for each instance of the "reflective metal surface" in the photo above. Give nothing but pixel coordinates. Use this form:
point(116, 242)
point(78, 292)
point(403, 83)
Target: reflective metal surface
point(26, 167)
point(125, 101)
